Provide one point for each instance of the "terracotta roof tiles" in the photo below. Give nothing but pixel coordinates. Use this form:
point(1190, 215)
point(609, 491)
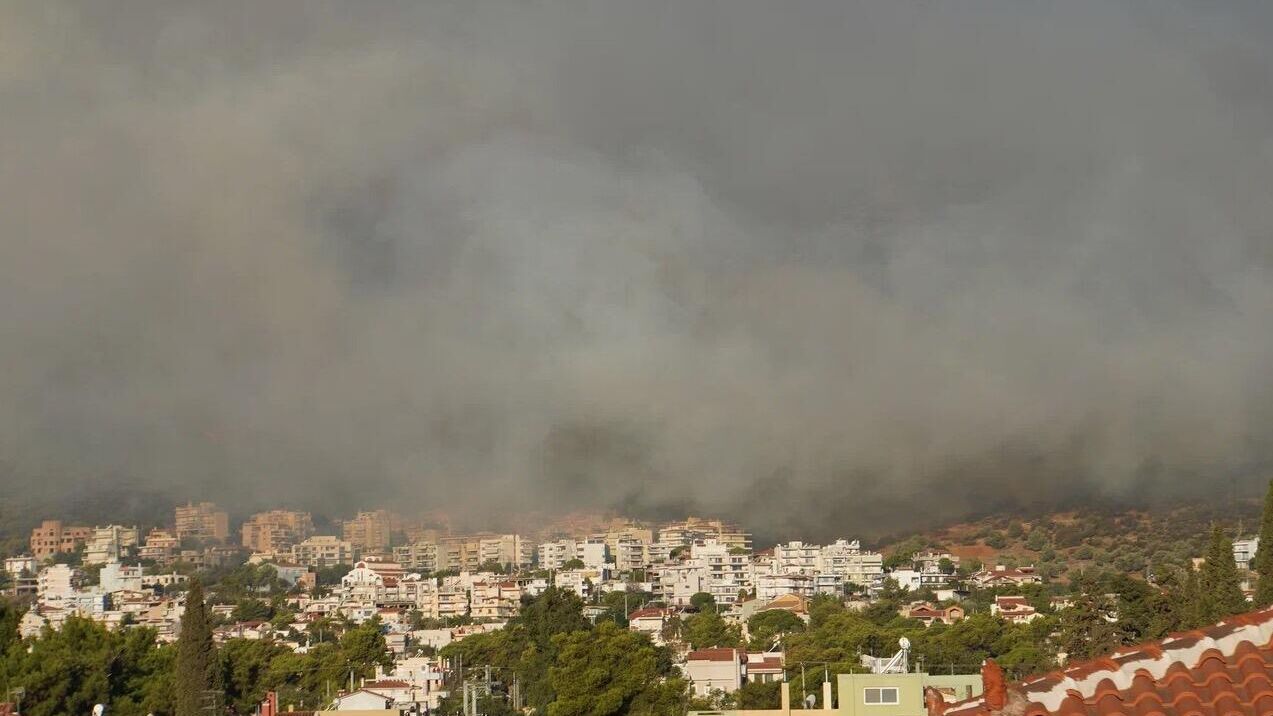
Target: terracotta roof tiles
point(1223, 670)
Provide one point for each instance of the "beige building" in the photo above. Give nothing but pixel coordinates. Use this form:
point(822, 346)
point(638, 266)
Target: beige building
point(110, 544)
point(421, 556)
point(323, 551)
point(276, 531)
point(52, 537)
point(371, 531)
point(202, 521)
point(160, 547)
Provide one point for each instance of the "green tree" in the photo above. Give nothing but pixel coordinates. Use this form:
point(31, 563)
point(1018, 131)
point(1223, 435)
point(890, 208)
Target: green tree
point(707, 629)
point(1263, 562)
point(1086, 630)
point(755, 695)
point(702, 601)
point(197, 669)
point(1218, 582)
point(246, 666)
point(605, 671)
point(82, 664)
point(768, 625)
point(251, 610)
point(573, 564)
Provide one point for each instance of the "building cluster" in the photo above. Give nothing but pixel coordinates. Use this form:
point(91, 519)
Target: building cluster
point(429, 586)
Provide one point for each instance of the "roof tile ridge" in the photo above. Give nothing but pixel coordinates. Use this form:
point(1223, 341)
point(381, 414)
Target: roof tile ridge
point(1255, 627)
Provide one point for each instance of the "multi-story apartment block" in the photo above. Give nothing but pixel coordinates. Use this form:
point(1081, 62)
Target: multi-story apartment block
point(1244, 551)
point(160, 547)
point(372, 531)
point(629, 554)
point(276, 531)
point(57, 583)
point(554, 555)
point(847, 559)
point(323, 551)
point(52, 537)
point(595, 554)
point(771, 586)
point(695, 529)
point(18, 566)
point(110, 543)
point(929, 560)
point(202, 521)
point(509, 551)
point(447, 601)
point(660, 552)
point(677, 582)
point(728, 574)
point(796, 558)
point(419, 556)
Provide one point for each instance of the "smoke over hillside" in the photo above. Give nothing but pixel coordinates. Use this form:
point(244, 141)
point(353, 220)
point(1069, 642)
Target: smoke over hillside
point(821, 265)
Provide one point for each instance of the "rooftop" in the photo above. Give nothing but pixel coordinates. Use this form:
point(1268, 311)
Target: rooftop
point(1222, 669)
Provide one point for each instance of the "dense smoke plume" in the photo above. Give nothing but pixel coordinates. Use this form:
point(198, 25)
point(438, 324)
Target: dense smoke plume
point(825, 266)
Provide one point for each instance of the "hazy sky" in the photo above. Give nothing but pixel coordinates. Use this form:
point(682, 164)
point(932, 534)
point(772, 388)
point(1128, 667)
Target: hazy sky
point(822, 266)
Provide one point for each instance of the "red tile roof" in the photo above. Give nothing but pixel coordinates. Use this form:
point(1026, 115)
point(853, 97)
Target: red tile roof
point(648, 613)
point(717, 654)
point(767, 665)
point(1221, 670)
point(386, 684)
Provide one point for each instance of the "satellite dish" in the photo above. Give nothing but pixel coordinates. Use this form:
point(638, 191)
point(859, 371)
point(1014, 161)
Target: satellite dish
point(99, 710)
point(904, 643)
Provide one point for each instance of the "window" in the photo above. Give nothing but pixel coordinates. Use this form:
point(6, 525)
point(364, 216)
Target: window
point(880, 695)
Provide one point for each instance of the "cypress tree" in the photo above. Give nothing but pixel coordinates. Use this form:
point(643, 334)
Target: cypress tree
point(1264, 554)
point(1219, 583)
point(196, 668)
point(1190, 604)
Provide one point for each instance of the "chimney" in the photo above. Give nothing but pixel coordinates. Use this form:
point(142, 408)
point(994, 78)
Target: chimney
point(826, 696)
point(993, 688)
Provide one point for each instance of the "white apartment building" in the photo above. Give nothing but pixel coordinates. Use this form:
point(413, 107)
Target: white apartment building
point(727, 574)
point(847, 559)
point(110, 543)
point(660, 552)
point(1244, 551)
point(595, 554)
point(796, 558)
point(580, 581)
point(771, 586)
point(629, 554)
point(57, 583)
point(15, 566)
point(116, 577)
point(554, 555)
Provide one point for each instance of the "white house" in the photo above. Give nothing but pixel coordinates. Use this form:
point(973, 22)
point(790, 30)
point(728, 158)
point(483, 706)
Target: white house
point(1244, 551)
point(716, 669)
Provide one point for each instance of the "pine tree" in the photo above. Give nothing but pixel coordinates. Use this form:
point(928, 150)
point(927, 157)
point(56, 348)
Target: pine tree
point(1264, 554)
point(196, 667)
point(1220, 587)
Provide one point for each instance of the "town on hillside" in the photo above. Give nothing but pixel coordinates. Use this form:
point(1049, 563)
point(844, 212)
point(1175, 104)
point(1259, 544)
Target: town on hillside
point(383, 614)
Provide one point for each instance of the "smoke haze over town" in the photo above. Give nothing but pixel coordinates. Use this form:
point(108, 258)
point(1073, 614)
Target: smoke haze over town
point(834, 266)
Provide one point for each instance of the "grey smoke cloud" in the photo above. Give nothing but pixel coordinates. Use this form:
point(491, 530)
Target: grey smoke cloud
point(825, 267)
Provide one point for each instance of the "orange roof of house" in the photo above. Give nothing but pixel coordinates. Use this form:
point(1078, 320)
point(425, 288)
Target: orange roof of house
point(717, 654)
point(1222, 669)
point(765, 666)
point(386, 684)
point(648, 612)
